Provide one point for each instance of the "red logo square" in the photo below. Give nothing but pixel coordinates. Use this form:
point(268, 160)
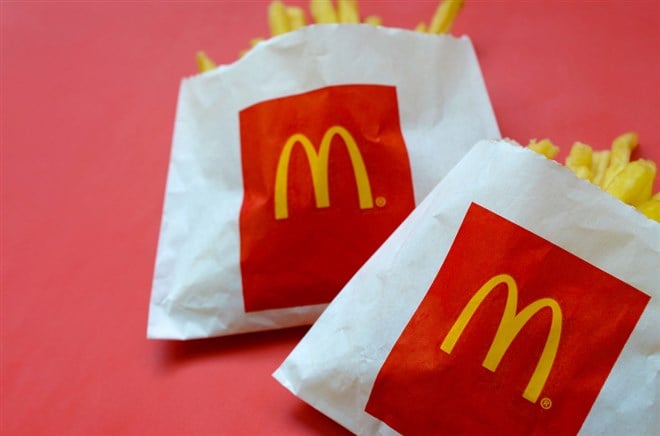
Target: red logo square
point(326, 180)
point(515, 336)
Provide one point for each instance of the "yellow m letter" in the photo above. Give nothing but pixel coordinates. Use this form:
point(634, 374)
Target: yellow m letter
point(510, 325)
point(318, 166)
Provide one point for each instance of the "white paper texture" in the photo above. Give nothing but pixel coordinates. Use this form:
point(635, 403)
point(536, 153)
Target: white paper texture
point(444, 109)
point(335, 365)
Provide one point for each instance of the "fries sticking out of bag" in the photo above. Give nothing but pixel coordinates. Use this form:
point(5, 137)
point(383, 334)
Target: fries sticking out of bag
point(283, 19)
point(204, 63)
point(444, 17)
point(544, 147)
point(612, 170)
point(651, 207)
point(278, 18)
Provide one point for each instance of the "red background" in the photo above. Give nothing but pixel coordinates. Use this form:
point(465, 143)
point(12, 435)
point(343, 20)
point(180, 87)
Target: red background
point(421, 386)
point(308, 257)
point(88, 99)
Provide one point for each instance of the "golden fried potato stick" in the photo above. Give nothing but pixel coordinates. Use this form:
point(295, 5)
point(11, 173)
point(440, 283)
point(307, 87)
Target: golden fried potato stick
point(278, 19)
point(255, 41)
point(204, 63)
point(544, 147)
point(579, 160)
point(651, 207)
point(622, 147)
point(599, 162)
point(634, 183)
point(323, 11)
point(296, 17)
point(374, 20)
point(445, 15)
point(282, 19)
point(630, 182)
point(347, 11)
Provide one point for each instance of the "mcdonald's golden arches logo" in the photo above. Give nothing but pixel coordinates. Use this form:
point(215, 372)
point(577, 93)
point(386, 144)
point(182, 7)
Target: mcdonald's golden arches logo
point(506, 331)
point(318, 169)
point(511, 324)
point(318, 166)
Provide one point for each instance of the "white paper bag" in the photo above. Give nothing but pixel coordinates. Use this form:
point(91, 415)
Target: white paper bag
point(292, 165)
point(516, 299)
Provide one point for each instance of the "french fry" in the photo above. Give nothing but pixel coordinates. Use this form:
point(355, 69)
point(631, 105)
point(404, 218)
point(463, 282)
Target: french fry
point(278, 20)
point(282, 19)
point(599, 162)
point(347, 11)
point(651, 207)
point(296, 17)
point(622, 147)
point(204, 63)
point(544, 147)
point(579, 160)
point(255, 41)
point(374, 20)
point(323, 11)
point(634, 183)
point(630, 182)
point(444, 16)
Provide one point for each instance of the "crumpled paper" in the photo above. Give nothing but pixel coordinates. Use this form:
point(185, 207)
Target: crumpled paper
point(377, 360)
point(199, 279)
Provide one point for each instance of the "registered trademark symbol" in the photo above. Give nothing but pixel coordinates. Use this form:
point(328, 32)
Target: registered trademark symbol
point(546, 403)
point(381, 201)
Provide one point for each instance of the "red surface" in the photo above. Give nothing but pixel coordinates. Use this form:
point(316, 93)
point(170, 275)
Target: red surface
point(418, 386)
point(88, 102)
